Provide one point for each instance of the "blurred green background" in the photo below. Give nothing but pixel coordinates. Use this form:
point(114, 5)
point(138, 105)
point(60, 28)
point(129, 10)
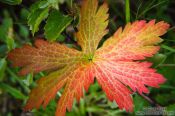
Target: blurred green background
point(14, 32)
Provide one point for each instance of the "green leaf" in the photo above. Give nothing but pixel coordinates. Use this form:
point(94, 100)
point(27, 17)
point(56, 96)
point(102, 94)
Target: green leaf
point(50, 3)
point(43, 4)
point(24, 32)
point(35, 6)
point(3, 65)
point(61, 38)
point(16, 78)
point(10, 43)
point(24, 14)
point(168, 48)
point(5, 28)
point(29, 79)
point(36, 16)
point(6, 32)
point(56, 23)
point(54, 3)
point(11, 2)
point(3, 50)
point(14, 92)
point(112, 105)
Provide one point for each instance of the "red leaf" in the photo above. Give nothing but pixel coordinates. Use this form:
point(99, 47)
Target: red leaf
point(135, 42)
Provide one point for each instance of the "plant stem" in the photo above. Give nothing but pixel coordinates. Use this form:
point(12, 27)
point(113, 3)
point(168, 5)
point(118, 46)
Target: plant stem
point(127, 10)
point(152, 102)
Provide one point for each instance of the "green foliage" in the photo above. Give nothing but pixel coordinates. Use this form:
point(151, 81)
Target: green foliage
point(23, 31)
point(6, 27)
point(56, 23)
point(3, 65)
point(6, 31)
point(11, 2)
point(36, 16)
point(139, 103)
point(13, 91)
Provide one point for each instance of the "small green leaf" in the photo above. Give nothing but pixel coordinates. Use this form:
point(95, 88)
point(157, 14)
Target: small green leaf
point(17, 79)
point(5, 28)
point(112, 105)
point(24, 14)
point(10, 43)
point(14, 92)
point(56, 23)
point(24, 32)
point(3, 50)
point(3, 64)
point(36, 16)
point(54, 3)
point(6, 32)
point(11, 2)
point(29, 79)
point(43, 4)
point(35, 6)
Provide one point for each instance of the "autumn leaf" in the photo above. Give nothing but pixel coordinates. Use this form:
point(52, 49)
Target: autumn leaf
point(92, 26)
point(115, 65)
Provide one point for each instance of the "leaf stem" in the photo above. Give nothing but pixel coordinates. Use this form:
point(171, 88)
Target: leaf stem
point(152, 102)
point(127, 10)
